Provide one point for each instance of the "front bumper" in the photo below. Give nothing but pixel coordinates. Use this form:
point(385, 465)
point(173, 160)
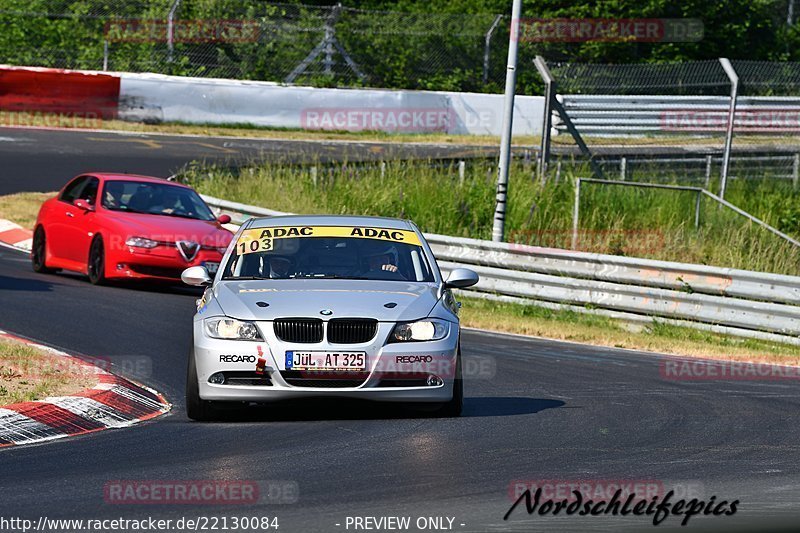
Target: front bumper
point(395, 372)
point(159, 263)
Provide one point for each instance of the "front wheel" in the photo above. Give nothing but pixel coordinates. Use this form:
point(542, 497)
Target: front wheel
point(196, 408)
point(96, 267)
point(454, 407)
point(39, 253)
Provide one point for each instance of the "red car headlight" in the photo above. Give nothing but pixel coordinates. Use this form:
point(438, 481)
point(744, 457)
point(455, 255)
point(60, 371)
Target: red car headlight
point(141, 242)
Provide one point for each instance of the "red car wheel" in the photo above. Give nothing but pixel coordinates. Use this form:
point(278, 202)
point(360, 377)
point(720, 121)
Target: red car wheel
point(96, 267)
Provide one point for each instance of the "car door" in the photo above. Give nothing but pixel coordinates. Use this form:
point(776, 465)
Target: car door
point(60, 222)
point(81, 228)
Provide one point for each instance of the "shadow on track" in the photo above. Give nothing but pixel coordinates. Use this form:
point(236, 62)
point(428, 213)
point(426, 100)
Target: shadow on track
point(8, 283)
point(506, 406)
point(322, 409)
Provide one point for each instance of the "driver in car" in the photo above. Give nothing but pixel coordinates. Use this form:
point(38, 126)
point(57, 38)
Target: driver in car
point(279, 267)
point(386, 261)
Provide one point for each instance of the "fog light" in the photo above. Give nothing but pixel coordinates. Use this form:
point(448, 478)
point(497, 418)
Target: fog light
point(217, 378)
point(434, 381)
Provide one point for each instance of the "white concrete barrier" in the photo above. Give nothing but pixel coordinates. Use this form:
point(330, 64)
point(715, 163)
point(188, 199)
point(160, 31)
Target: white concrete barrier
point(157, 98)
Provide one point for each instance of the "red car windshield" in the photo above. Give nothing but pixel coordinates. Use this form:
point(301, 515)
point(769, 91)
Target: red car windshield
point(155, 199)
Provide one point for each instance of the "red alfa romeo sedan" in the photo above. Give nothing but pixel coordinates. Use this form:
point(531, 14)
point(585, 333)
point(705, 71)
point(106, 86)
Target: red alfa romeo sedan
point(121, 226)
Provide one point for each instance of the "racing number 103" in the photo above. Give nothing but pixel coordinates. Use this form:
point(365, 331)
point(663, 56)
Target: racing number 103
point(256, 245)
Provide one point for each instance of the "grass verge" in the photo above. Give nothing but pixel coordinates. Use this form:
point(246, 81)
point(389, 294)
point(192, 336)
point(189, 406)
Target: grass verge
point(601, 331)
point(22, 208)
point(27, 374)
point(647, 223)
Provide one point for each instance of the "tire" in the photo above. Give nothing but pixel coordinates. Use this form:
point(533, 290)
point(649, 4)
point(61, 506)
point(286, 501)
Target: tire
point(96, 266)
point(39, 253)
point(196, 408)
point(454, 407)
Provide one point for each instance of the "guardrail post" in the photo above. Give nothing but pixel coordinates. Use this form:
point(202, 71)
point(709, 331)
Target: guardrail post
point(726, 157)
point(487, 46)
point(623, 167)
point(795, 170)
point(462, 171)
point(576, 208)
point(498, 229)
point(547, 117)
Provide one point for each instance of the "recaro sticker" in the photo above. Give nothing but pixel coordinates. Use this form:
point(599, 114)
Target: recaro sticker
point(261, 239)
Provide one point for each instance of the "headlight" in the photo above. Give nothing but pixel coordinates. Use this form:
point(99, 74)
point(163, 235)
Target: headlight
point(423, 330)
point(230, 328)
point(141, 242)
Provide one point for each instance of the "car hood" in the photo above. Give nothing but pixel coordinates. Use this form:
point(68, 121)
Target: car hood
point(345, 298)
point(172, 229)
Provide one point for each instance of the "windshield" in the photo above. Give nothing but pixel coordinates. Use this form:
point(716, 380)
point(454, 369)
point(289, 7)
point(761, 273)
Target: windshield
point(329, 252)
point(155, 199)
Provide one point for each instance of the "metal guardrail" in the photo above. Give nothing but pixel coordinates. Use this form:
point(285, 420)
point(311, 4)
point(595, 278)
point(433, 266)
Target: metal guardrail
point(740, 302)
point(633, 115)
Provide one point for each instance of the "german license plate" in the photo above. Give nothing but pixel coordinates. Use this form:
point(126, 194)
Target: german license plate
point(336, 361)
point(211, 266)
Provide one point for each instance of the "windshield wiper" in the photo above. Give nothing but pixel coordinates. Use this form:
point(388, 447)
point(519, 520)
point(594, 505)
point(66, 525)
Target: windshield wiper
point(326, 276)
point(181, 216)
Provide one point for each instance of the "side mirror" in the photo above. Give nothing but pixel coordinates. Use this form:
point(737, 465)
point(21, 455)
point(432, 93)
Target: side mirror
point(461, 278)
point(83, 205)
point(224, 219)
point(197, 276)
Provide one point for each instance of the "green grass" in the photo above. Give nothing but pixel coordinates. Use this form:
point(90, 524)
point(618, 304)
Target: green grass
point(656, 337)
point(617, 220)
point(27, 374)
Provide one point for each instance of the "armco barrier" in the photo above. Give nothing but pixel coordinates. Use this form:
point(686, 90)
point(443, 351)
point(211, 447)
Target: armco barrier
point(738, 302)
point(646, 114)
point(67, 92)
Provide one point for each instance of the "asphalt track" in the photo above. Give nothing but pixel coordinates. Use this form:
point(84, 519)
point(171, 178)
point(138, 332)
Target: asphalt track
point(538, 410)
point(43, 159)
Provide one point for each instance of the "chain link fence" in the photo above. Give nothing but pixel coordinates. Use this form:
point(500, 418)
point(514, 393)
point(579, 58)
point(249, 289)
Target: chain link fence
point(729, 127)
point(329, 46)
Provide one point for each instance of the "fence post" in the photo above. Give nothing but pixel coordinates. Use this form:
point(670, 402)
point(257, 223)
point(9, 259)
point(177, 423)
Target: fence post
point(498, 229)
point(697, 209)
point(795, 170)
point(549, 83)
point(462, 167)
point(708, 171)
point(576, 208)
point(726, 156)
point(171, 30)
point(487, 47)
point(105, 55)
point(623, 168)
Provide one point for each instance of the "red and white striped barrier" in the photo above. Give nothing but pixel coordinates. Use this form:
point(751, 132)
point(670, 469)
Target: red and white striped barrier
point(15, 235)
point(114, 402)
